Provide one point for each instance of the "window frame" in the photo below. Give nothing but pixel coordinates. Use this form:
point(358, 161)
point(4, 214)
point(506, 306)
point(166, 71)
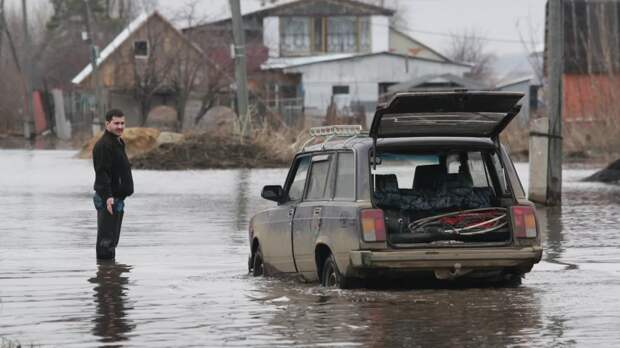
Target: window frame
point(329, 157)
point(339, 90)
point(291, 177)
point(335, 177)
point(288, 53)
point(148, 49)
point(313, 21)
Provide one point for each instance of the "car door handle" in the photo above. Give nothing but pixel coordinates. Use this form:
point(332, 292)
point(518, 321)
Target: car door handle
point(291, 211)
point(316, 211)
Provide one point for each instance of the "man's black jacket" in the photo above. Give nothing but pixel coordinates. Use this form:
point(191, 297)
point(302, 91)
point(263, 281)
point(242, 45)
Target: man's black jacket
point(112, 169)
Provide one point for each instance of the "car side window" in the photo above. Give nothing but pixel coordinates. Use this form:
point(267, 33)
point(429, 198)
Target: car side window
point(317, 186)
point(478, 170)
point(296, 190)
point(501, 174)
point(345, 177)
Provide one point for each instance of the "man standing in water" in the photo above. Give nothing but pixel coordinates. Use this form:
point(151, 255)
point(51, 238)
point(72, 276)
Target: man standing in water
point(113, 183)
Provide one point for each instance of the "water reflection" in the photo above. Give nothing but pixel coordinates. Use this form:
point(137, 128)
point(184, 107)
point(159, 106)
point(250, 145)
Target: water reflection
point(241, 199)
point(196, 291)
point(405, 318)
point(551, 227)
point(111, 323)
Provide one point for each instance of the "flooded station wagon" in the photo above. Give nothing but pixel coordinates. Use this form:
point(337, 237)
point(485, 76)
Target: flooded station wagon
point(428, 191)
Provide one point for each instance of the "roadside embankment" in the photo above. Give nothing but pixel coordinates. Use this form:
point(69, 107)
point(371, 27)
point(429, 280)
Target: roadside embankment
point(137, 141)
point(209, 150)
point(148, 148)
point(610, 174)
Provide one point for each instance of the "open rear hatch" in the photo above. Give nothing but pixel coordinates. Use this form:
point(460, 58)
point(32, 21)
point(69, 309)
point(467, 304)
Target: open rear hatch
point(468, 114)
point(449, 195)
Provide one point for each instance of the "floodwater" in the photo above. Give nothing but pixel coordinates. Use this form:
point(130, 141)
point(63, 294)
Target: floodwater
point(180, 276)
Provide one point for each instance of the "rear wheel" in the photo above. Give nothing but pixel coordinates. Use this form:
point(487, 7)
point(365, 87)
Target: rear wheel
point(257, 264)
point(511, 280)
point(331, 277)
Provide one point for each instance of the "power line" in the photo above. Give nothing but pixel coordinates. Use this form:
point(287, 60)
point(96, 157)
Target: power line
point(414, 30)
point(485, 38)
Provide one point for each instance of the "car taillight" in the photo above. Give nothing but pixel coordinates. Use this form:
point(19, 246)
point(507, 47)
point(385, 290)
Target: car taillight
point(524, 221)
point(373, 225)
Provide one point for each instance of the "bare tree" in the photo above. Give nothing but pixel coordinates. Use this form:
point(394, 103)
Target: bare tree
point(188, 76)
point(151, 74)
point(1, 24)
point(532, 48)
point(470, 48)
point(217, 73)
point(12, 76)
point(172, 66)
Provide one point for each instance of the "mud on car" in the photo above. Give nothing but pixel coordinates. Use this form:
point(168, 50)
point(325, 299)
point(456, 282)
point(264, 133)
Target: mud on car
point(428, 190)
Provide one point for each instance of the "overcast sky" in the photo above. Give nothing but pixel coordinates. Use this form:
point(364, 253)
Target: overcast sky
point(503, 22)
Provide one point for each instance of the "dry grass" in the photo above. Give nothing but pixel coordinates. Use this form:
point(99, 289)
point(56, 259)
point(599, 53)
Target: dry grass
point(516, 139)
point(282, 144)
point(586, 141)
point(592, 139)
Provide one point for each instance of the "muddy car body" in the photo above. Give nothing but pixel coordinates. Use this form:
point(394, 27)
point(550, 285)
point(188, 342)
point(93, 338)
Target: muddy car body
point(429, 191)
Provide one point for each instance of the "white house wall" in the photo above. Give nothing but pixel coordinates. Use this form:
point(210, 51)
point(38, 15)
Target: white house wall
point(362, 75)
point(379, 33)
point(271, 35)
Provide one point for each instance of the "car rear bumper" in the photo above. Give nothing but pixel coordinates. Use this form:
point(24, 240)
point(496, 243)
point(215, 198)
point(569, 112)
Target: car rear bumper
point(445, 258)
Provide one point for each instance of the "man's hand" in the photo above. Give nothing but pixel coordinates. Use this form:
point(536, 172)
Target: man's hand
point(109, 204)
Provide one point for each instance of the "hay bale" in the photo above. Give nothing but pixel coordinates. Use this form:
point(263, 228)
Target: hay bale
point(169, 138)
point(138, 140)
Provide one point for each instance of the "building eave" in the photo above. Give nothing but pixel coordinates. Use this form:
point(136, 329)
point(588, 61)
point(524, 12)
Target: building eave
point(352, 56)
point(422, 44)
point(265, 12)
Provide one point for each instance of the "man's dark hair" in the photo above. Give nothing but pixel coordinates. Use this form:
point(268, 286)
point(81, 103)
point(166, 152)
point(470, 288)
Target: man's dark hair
point(113, 113)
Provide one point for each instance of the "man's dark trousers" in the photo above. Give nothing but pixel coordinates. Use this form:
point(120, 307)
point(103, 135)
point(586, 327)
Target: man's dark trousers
point(108, 230)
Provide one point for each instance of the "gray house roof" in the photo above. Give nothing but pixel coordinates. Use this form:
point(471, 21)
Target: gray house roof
point(530, 79)
point(435, 82)
point(308, 8)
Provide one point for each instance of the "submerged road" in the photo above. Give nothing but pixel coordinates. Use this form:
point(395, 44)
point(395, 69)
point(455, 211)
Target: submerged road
point(180, 276)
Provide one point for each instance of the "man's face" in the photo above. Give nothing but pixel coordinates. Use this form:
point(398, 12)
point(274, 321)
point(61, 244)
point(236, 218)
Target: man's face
point(116, 125)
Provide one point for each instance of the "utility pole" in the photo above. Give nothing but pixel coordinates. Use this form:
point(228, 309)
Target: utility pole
point(546, 133)
point(556, 69)
point(94, 55)
point(240, 68)
point(27, 70)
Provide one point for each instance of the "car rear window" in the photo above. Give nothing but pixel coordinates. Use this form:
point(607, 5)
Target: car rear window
point(435, 171)
point(403, 166)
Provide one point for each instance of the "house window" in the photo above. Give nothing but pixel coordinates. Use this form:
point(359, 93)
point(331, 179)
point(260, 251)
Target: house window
point(364, 34)
point(141, 48)
point(337, 34)
point(295, 35)
point(342, 34)
point(340, 90)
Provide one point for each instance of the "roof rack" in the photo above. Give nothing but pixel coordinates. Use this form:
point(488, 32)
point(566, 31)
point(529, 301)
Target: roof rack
point(330, 132)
